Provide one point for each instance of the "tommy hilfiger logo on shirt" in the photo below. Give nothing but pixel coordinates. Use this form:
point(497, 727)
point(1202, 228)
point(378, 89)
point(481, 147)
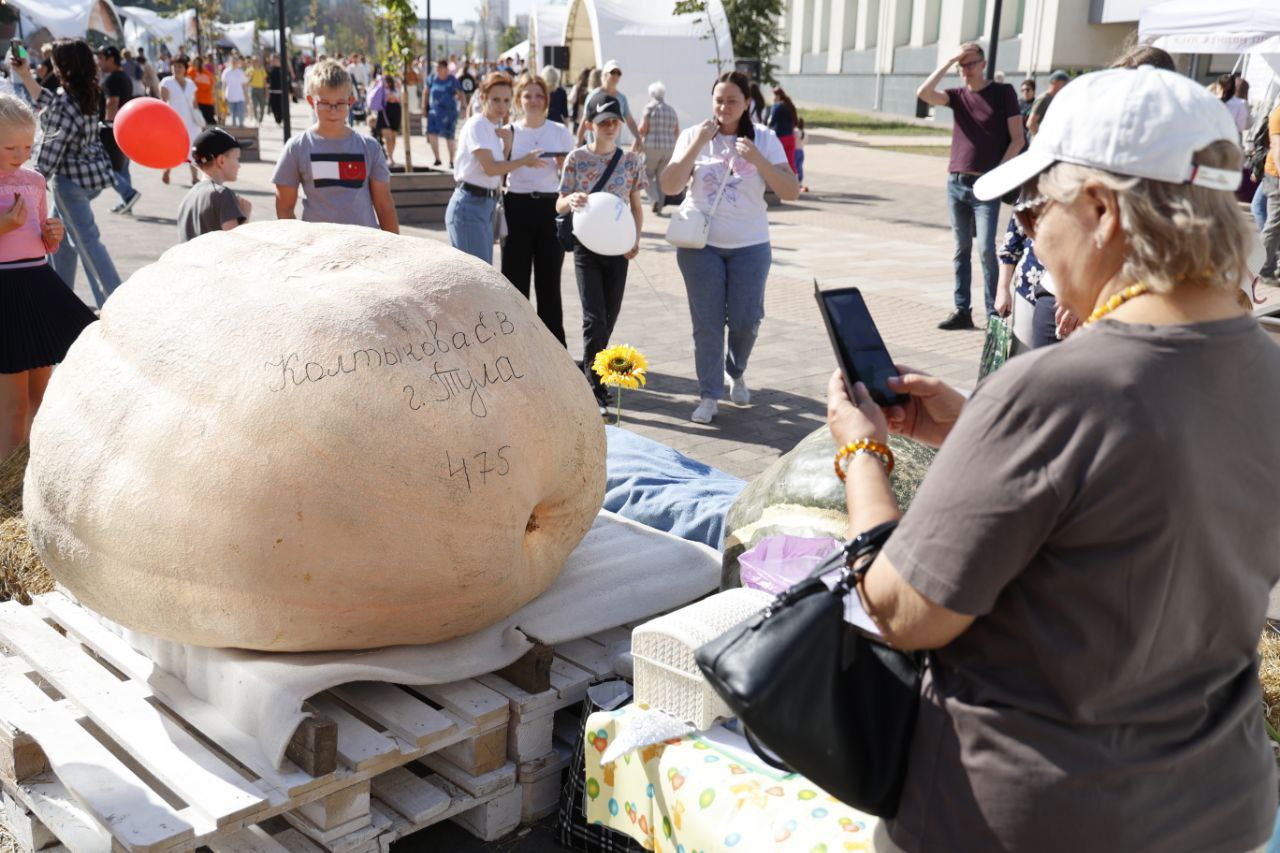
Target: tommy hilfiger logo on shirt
point(338, 170)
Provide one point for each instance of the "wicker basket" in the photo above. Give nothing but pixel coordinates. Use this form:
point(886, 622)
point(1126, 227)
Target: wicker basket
point(666, 676)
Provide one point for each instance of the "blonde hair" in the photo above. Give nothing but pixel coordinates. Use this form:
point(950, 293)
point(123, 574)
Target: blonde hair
point(551, 75)
point(1176, 233)
point(973, 47)
point(327, 74)
point(15, 111)
point(528, 81)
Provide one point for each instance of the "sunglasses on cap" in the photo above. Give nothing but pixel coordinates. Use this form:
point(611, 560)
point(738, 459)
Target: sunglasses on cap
point(1030, 206)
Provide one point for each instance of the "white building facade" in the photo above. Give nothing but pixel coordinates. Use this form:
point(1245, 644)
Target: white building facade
point(873, 54)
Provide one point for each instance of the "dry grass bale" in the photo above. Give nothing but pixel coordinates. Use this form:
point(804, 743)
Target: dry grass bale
point(22, 575)
point(1269, 674)
point(12, 470)
point(7, 844)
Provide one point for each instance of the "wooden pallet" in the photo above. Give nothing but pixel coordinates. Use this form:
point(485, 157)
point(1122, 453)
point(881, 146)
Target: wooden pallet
point(99, 750)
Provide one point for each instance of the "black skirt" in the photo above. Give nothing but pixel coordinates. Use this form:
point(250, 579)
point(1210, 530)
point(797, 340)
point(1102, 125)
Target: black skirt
point(40, 318)
point(389, 118)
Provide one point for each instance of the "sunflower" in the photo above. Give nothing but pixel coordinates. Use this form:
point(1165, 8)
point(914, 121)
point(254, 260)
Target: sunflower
point(622, 366)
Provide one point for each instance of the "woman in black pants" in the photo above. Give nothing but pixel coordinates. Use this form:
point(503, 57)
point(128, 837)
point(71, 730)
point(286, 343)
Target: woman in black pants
point(601, 278)
point(531, 245)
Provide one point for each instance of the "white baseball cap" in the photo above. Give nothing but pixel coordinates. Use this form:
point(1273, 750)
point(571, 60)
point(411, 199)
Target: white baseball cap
point(611, 65)
point(1142, 122)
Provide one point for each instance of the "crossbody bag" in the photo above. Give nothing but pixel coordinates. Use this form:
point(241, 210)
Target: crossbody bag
point(564, 221)
point(689, 227)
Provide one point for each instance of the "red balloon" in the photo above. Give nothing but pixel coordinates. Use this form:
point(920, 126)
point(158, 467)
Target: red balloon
point(152, 134)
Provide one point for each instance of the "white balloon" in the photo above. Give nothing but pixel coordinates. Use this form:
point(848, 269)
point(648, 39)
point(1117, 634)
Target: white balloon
point(605, 225)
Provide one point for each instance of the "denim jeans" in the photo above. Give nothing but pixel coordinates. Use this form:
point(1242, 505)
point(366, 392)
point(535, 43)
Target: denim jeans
point(469, 221)
point(1259, 205)
point(236, 108)
point(970, 218)
point(1271, 229)
point(602, 279)
point(124, 185)
point(725, 288)
point(83, 241)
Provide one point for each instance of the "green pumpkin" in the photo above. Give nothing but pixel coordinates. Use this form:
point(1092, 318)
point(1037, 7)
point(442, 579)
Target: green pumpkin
point(800, 495)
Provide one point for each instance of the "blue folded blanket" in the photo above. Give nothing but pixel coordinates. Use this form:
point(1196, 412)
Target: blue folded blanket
point(662, 488)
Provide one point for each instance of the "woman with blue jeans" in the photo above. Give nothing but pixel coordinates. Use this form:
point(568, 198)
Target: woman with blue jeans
point(725, 279)
point(483, 149)
point(72, 159)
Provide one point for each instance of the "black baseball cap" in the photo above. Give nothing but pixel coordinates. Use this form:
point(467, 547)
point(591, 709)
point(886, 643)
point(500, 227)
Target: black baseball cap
point(110, 51)
point(212, 143)
point(605, 108)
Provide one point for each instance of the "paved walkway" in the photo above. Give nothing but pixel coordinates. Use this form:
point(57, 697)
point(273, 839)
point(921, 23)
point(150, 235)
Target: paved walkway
point(877, 219)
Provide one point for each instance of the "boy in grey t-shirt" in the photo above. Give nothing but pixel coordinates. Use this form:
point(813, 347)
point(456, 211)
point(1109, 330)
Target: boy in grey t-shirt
point(211, 206)
point(344, 175)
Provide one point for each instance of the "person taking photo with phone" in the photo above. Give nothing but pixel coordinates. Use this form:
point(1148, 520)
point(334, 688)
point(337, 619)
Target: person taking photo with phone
point(71, 158)
point(732, 159)
point(1084, 559)
point(531, 246)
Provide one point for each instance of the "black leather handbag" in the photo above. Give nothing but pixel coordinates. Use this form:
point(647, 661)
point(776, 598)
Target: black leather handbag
point(817, 696)
point(564, 221)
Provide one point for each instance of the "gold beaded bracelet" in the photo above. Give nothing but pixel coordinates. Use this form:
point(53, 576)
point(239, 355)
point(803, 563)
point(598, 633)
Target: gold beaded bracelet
point(864, 445)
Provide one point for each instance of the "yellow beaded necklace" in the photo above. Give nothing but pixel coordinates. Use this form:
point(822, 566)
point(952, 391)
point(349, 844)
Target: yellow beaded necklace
point(1119, 299)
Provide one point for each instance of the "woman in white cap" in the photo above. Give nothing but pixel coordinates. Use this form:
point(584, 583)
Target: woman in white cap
point(1088, 558)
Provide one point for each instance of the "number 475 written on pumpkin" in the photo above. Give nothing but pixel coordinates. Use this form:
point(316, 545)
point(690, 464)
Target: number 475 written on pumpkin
point(486, 463)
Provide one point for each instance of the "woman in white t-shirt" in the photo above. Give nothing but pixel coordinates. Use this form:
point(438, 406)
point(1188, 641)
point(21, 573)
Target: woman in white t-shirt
point(179, 92)
point(235, 86)
point(483, 147)
point(531, 246)
point(725, 279)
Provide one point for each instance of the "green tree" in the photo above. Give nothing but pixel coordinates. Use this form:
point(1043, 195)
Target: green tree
point(754, 29)
point(509, 38)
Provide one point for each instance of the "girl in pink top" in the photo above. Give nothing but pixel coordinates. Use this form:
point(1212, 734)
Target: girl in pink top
point(39, 315)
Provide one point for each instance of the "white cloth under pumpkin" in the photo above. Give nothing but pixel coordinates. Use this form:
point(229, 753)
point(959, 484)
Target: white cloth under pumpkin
point(621, 572)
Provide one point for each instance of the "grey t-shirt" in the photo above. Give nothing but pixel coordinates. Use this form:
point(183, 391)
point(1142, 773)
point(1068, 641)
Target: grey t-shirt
point(335, 176)
point(205, 208)
point(1104, 507)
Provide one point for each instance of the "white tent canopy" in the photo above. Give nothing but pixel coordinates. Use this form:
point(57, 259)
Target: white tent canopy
point(520, 50)
point(1213, 26)
point(270, 39)
point(651, 44)
point(242, 35)
point(141, 25)
point(68, 18)
point(546, 25)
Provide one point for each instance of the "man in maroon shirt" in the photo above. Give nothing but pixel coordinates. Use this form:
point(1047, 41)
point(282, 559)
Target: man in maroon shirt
point(986, 132)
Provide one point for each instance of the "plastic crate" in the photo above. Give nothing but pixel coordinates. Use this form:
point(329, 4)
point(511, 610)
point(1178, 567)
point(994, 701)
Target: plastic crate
point(666, 675)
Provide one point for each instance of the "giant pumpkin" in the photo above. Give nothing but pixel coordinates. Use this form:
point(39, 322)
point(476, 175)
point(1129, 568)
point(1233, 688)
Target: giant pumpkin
point(295, 436)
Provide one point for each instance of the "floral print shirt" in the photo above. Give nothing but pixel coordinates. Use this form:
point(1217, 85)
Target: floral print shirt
point(1018, 251)
point(582, 169)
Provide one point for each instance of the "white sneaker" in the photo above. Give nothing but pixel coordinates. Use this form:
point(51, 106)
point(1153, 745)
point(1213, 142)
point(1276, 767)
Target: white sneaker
point(705, 411)
point(739, 393)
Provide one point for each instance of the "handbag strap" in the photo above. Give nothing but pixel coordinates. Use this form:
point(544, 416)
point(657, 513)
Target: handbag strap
point(604, 179)
point(715, 203)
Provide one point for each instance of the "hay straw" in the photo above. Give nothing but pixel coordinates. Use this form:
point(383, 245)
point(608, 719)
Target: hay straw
point(12, 470)
point(22, 575)
point(1269, 675)
point(7, 842)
